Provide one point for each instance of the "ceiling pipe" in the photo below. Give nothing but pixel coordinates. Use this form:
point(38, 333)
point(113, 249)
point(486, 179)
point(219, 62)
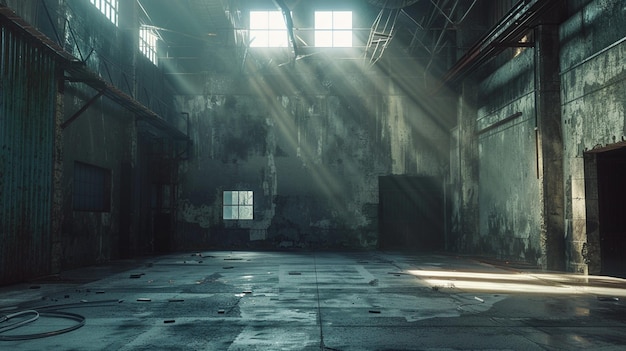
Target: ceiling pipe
point(524, 15)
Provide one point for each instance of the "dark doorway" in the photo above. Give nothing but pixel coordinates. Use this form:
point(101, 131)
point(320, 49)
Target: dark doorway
point(162, 230)
point(410, 213)
point(612, 211)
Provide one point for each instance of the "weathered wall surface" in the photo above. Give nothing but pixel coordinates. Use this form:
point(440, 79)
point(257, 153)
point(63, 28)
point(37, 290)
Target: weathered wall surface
point(100, 137)
point(510, 176)
point(593, 88)
point(310, 142)
point(509, 217)
point(104, 134)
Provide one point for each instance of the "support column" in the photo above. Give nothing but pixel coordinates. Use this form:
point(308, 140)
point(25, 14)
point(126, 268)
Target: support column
point(57, 178)
point(550, 145)
point(56, 225)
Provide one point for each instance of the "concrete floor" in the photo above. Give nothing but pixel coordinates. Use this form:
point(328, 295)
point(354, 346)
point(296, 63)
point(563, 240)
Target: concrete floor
point(316, 301)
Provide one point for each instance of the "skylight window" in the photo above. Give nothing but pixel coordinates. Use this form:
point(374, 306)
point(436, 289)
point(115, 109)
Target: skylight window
point(108, 8)
point(147, 43)
point(267, 29)
point(333, 29)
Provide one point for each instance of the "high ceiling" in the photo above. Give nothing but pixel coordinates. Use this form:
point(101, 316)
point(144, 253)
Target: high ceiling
point(427, 30)
point(422, 27)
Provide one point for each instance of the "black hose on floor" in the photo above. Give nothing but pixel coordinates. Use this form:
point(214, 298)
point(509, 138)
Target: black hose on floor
point(51, 311)
point(80, 321)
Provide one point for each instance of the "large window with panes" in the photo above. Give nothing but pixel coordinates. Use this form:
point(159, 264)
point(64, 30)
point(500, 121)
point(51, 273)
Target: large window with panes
point(148, 43)
point(108, 8)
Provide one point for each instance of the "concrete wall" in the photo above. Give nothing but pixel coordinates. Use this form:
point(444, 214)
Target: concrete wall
point(593, 89)
point(508, 187)
point(103, 138)
point(107, 135)
point(310, 140)
point(516, 162)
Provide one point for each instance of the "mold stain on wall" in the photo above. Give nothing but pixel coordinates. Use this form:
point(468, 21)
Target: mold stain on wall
point(312, 156)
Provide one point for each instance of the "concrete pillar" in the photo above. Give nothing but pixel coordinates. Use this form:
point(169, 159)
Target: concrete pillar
point(468, 166)
point(549, 145)
point(56, 249)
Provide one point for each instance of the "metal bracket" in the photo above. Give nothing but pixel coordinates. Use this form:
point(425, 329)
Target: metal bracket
point(82, 109)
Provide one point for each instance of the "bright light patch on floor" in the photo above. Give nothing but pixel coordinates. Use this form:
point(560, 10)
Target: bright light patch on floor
point(523, 282)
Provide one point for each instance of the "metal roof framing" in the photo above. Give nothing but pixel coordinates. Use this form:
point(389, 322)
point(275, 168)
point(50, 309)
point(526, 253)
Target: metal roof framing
point(524, 15)
point(79, 72)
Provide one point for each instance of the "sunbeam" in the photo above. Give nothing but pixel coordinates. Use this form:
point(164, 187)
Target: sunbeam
point(541, 283)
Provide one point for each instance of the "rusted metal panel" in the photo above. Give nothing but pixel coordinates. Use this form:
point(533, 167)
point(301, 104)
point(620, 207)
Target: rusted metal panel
point(27, 137)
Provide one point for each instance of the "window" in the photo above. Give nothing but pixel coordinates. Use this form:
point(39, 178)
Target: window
point(267, 29)
point(92, 188)
point(147, 43)
point(333, 29)
point(108, 8)
point(238, 205)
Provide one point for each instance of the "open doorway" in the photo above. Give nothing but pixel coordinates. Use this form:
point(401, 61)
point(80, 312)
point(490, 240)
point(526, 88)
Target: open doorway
point(411, 213)
point(611, 167)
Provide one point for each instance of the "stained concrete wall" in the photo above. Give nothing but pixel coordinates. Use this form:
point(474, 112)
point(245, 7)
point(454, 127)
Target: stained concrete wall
point(517, 164)
point(107, 135)
point(102, 137)
point(310, 140)
point(508, 187)
point(497, 207)
point(593, 89)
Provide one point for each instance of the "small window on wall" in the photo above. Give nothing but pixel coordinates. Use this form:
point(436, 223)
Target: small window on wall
point(92, 188)
point(238, 205)
point(108, 8)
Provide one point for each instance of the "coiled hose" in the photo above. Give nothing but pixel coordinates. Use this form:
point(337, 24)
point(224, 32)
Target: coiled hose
point(45, 311)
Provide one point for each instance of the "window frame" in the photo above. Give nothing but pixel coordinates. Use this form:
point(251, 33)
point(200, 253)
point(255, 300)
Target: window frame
point(148, 43)
point(109, 8)
point(273, 32)
point(240, 200)
point(335, 30)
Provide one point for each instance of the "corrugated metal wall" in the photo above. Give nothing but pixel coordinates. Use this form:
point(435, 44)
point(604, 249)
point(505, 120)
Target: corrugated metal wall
point(27, 95)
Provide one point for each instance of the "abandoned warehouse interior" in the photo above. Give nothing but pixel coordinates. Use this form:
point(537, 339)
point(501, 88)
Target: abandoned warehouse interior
point(485, 128)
